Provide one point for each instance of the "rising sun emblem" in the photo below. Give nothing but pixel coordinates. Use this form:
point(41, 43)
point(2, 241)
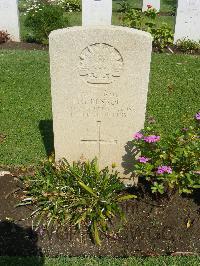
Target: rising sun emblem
point(100, 63)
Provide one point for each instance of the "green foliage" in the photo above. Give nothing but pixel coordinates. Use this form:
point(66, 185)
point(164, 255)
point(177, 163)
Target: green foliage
point(140, 20)
point(71, 5)
point(150, 13)
point(23, 5)
point(133, 18)
point(124, 6)
point(43, 18)
point(78, 194)
point(188, 46)
point(162, 35)
point(170, 163)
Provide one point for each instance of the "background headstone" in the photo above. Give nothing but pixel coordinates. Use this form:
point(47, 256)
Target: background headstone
point(9, 19)
point(154, 3)
point(96, 12)
point(99, 85)
point(188, 20)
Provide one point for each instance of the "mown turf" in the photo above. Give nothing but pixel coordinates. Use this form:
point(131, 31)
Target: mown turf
point(174, 92)
point(134, 261)
point(25, 96)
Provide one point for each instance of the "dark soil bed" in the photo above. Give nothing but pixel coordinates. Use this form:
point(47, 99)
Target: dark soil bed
point(154, 227)
point(23, 46)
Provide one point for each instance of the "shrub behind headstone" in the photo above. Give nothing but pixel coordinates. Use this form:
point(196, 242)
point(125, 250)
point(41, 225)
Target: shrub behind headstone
point(43, 18)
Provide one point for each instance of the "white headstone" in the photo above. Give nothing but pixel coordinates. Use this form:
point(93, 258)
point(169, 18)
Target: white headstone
point(154, 3)
point(99, 83)
point(96, 12)
point(188, 20)
point(9, 18)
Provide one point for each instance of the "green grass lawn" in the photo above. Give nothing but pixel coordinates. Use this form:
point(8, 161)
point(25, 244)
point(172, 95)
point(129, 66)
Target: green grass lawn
point(132, 261)
point(174, 92)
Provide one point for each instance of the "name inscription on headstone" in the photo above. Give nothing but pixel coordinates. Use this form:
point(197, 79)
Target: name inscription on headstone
point(109, 105)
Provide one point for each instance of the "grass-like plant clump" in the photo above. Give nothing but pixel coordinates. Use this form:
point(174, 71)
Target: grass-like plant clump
point(77, 194)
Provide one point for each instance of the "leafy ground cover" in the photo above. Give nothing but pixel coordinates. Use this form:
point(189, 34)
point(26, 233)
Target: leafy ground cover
point(26, 118)
point(61, 261)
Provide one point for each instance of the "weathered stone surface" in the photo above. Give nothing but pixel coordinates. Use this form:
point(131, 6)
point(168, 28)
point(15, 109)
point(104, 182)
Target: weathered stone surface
point(99, 81)
point(188, 20)
point(9, 20)
point(154, 3)
point(96, 12)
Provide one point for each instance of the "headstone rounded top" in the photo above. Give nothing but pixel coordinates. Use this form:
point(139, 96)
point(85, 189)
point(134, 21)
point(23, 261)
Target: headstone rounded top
point(98, 29)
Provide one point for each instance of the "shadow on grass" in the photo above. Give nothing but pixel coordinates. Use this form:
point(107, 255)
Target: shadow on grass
point(46, 131)
point(16, 241)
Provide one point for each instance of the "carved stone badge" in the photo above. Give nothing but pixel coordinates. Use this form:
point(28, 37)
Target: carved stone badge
point(100, 63)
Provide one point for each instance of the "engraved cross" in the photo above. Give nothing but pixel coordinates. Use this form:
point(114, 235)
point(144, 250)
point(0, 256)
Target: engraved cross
point(99, 140)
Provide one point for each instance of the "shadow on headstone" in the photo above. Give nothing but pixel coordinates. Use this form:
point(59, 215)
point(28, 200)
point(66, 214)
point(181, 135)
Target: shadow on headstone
point(21, 242)
point(129, 158)
point(46, 131)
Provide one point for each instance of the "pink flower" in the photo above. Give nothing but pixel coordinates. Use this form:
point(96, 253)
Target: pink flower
point(197, 116)
point(138, 136)
point(143, 159)
point(164, 169)
point(151, 138)
point(149, 6)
